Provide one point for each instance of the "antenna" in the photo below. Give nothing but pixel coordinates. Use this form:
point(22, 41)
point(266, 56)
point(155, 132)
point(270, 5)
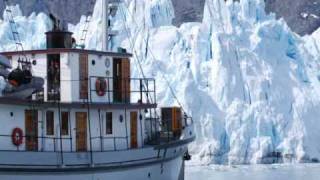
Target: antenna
point(109, 9)
point(105, 19)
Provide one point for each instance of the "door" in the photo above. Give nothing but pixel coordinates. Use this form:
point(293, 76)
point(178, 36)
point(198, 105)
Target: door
point(134, 130)
point(125, 84)
point(83, 76)
point(81, 131)
point(53, 77)
point(121, 80)
point(176, 121)
point(31, 130)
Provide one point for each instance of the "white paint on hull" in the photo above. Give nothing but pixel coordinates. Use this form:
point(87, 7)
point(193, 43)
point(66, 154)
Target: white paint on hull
point(170, 171)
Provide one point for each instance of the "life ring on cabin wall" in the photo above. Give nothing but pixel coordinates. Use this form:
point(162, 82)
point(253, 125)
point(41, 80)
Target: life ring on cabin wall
point(101, 86)
point(17, 136)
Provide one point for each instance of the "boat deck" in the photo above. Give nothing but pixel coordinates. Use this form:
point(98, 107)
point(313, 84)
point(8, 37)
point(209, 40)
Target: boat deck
point(83, 104)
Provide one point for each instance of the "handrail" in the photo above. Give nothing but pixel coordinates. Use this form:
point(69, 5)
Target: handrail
point(129, 90)
point(58, 139)
point(153, 139)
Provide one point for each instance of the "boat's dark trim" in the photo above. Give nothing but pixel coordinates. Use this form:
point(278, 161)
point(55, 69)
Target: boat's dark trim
point(112, 166)
point(21, 102)
point(68, 50)
point(175, 143)
point(89, 169)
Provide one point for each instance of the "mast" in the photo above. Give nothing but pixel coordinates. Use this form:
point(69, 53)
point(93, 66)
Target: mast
point(105, 18)
point(109, 9)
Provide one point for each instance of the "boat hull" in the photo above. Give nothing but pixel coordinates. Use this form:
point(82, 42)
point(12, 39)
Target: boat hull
point(166, 170)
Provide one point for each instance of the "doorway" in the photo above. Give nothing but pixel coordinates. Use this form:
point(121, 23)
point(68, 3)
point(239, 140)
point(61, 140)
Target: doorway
point(31, 130)
point(81, 131)
point(121, 80)
point(53, 74)
point(134, 130)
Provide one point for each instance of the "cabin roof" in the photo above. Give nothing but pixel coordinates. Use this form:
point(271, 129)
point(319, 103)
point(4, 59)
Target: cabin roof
point(68, 50)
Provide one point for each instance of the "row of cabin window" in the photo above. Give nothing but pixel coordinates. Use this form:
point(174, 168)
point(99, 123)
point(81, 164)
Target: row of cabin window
point(65, 123)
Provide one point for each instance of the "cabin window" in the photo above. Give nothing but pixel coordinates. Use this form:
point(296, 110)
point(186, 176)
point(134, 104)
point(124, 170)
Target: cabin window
point(50, 123)
point(109, 123)
point(64, 123)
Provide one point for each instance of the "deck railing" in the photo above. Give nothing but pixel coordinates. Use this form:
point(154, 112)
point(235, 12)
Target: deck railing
point(156, 135)
point(112, 91)
point(136, 90)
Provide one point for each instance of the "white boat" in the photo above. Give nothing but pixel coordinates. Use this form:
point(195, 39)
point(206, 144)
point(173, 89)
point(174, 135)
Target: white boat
point(91, 120)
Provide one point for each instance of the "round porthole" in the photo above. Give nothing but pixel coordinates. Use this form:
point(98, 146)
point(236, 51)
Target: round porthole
point(107, 62)
point(121, 118)
point(93, 62)
point(34, 62)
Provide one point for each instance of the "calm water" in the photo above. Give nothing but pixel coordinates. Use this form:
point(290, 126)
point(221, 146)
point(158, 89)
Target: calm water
point(258, 172)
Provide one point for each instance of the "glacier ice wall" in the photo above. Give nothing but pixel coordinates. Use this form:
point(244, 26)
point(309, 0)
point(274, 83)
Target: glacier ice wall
point(31, 30)
point(250, 83)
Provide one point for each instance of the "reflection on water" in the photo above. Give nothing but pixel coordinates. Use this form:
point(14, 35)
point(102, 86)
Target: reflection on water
point(254, 172)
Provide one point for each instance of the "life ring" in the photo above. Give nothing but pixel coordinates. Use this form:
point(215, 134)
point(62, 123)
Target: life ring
point(17, 136)
point(101, 86)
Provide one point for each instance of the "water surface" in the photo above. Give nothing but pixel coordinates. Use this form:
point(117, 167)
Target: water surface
point(254, 172)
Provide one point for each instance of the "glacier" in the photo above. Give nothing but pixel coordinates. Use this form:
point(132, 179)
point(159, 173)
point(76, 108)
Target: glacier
point(251, 85)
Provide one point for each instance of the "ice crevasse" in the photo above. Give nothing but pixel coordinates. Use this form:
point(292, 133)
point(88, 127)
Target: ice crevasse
point(251, 84)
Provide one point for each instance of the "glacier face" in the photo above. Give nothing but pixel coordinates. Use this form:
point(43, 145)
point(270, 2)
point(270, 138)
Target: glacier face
point(249, 82)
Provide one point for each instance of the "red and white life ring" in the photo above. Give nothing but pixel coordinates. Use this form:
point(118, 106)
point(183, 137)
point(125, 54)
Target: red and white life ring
point(17, 136)
point(101, 86)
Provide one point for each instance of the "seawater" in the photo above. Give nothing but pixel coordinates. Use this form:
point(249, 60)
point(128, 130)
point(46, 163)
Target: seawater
point(254, 172)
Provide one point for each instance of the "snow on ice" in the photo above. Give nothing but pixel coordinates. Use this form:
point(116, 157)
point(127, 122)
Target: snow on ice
point(251, 85)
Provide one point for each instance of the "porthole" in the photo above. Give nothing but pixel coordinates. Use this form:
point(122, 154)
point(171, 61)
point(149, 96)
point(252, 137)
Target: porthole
point(93, 62)
point(34, 62)
point(107, 62)
point(121, 118)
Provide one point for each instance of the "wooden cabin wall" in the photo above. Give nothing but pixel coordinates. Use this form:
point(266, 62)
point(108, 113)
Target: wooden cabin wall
point(101, 66)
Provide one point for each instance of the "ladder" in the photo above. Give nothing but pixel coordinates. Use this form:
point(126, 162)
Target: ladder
point(85, 31)
point(16, 36)
point(86, 25)
point(13, 27)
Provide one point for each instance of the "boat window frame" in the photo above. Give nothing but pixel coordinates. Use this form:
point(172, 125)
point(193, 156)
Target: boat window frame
point(109, 123)
point(66, 131)
point(52, 124)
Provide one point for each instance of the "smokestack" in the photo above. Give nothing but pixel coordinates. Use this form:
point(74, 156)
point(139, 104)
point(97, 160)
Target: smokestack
point(57, 37)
